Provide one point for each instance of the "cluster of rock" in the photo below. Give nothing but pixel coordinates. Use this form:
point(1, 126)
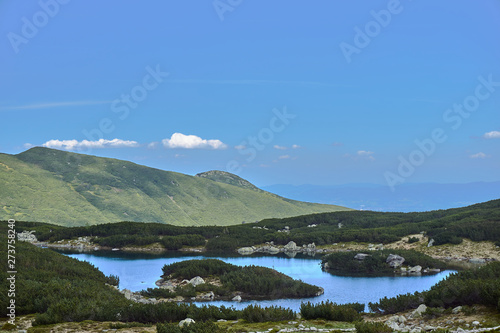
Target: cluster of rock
point(285, 229)
point(138, 298)
point(27, 236)
point(170, 285)
point(412, 322)
point(303, 328)
point(290, 249)
point(82, 244)
point(372, 247)
point(396, 262)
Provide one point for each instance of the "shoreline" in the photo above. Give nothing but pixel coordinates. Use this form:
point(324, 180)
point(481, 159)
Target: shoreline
point(463, 262)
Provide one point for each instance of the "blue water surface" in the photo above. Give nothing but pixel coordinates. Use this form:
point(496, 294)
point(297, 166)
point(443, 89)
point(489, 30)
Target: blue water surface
point(141, 271)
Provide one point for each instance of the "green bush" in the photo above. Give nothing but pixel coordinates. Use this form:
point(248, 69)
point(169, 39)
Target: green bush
point(431, 313)
point(412, 240)
point(197, 327)
point(479, 286)
point(331, 311)
point(257, 314)
point(397, 304)
point(372, 327)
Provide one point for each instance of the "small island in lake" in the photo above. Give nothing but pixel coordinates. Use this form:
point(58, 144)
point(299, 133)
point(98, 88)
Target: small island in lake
point(213, 279)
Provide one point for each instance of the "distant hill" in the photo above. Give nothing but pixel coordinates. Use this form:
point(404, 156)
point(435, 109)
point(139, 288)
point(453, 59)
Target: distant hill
point(228, 178)
point(70, 189)
point(406, 197)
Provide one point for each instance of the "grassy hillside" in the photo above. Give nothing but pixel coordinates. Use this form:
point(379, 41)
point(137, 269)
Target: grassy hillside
point(72, 189)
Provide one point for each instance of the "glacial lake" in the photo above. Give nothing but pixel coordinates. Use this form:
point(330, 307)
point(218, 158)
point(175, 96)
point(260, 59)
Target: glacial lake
point(141, 271)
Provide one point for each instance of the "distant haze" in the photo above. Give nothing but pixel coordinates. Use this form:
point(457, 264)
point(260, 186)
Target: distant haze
point(406, 198)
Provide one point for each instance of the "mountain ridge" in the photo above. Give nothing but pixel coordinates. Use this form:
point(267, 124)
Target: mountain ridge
point(65, 188)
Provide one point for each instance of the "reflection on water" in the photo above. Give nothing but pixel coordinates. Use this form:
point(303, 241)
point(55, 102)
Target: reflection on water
point(140, 271)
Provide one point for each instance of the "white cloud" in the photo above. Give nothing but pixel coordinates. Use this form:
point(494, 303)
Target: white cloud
point(179, 140)
point(362, 154)
point(240, 147)
point(28, 145)
point(479, 155)
point(492, 135)
point(102, 143)
point(296, 147)
point(284, 157)
point(279, 147)
point(153, 144)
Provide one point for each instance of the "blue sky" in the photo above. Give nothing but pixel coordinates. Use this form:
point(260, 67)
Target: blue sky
point(288, 92)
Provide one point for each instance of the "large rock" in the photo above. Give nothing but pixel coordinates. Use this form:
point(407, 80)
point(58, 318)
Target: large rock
point(431, 242)
point(393, 325)
point(196, 281)
point(207, 296)
point(418, 311)
point(477, 261)
point(236, 298)
point(415, 269)
point(246, 250)
point(269, 249)
point(395, 260)
point(361, 256)
point(291, 247)
point(187, 321)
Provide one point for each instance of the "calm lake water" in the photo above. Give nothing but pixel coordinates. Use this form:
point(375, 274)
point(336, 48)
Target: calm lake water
point(141, 271)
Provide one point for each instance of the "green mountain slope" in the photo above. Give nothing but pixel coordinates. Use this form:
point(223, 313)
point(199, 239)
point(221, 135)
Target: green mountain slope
point(228, 178)
point(64, 188)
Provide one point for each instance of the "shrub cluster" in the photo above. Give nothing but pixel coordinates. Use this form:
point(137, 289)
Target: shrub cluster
point(479, 286)
point(258, 314)
point(372, 327)
point(197, 327)
point(332, 311)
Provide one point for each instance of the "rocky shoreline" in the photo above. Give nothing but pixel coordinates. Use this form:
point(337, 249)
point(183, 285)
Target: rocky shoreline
point(84, 244)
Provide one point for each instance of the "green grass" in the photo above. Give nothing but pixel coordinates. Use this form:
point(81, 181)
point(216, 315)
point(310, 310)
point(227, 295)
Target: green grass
point(70, 189)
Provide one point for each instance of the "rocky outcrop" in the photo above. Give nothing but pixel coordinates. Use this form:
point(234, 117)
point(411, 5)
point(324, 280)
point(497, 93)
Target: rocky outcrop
point(27, 236)
point(477, 261)
point(415, 269)
point(187, 322)
point(291, 247)
point(236, 298)
point(395, 260)
point(246, 250)
point(419, 311)
point(196, 281)
point(137, 298)
point(361, 256)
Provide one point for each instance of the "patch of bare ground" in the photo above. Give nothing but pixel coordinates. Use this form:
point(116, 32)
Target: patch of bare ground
point(486, 317)
point(25, 323)
point(466, 250)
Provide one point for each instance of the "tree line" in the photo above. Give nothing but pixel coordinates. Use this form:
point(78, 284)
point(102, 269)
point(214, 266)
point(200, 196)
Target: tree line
point(479, 222)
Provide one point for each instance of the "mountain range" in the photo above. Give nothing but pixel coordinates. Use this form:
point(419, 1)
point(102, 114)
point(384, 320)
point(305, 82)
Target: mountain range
point(411, 197)
point(70, 189)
